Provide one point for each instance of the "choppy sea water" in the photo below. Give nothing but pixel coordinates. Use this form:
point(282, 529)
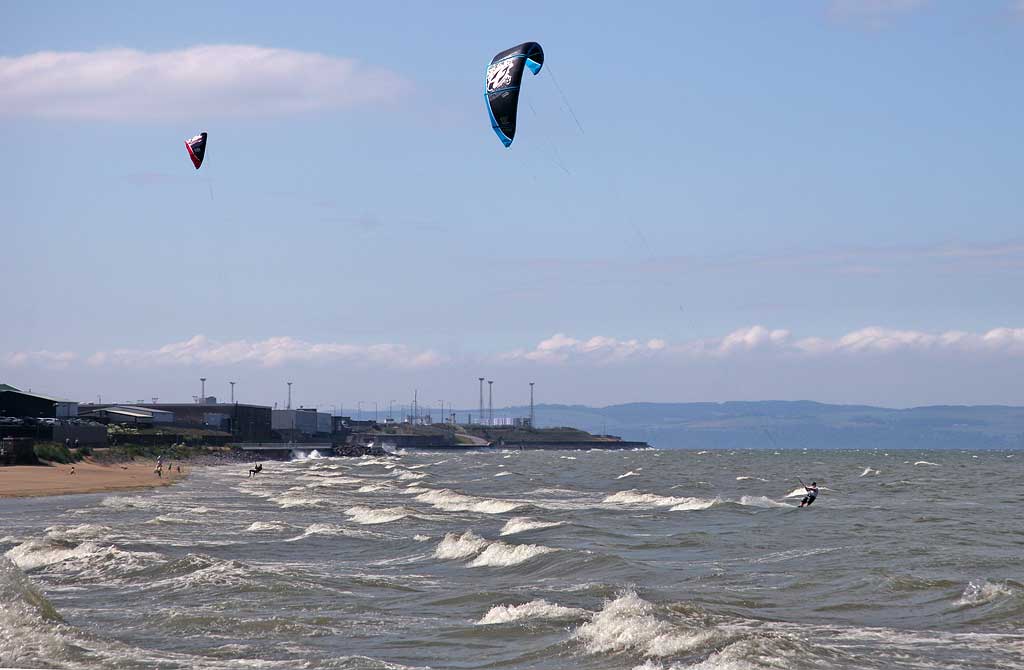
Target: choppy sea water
point(646, 559)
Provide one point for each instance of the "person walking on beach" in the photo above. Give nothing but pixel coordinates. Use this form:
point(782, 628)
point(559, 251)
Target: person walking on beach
point(812, 493)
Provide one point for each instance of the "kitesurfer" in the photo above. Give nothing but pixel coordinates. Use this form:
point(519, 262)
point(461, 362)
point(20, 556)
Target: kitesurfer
point(812, 493)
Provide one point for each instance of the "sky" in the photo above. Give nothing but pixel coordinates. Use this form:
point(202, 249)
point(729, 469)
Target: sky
point(704, 201)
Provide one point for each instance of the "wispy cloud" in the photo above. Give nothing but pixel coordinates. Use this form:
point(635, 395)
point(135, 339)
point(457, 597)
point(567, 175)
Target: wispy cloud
point(271, 352)
point(873, 13)
point(747, 343)
point(560, 348)
point(198, 82)
point(49, 359)
point(758, 339)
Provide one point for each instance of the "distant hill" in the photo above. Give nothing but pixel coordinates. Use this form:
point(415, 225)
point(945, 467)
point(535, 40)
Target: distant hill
point(796, 424)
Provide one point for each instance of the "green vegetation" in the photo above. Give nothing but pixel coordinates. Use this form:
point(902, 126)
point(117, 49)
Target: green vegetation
point(129, 452)
point(56, 453)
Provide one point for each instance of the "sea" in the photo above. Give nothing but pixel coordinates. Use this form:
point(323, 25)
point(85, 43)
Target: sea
point(646, 560)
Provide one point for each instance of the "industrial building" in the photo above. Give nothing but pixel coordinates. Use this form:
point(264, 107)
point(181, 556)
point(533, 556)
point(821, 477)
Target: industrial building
point(17, 403)
point(247, 423)
point(291, 423)
point(128, 414)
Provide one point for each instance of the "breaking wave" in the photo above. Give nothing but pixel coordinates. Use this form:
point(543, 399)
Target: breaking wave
point(455, 546)
point(628, 623)
point(521, 524)
point(531, 611)
point(982, 593)
point(450, 501)
point(634, 497)
point(693, 504)
point(501, 555)
point(374, 515)
point(266, 526)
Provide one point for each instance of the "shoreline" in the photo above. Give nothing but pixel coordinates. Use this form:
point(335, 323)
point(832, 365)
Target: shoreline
point(55, 479)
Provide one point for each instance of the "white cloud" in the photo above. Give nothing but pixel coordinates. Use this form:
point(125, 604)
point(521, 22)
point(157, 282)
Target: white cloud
point(43, 358)
point(749, 343)
point(271, 352)
point(200, 82)
point(561, 348)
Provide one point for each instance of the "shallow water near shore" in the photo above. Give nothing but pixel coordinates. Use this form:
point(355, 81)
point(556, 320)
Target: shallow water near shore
point(645, 559)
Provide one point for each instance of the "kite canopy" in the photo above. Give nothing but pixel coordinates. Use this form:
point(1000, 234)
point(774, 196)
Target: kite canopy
point(196, 149)
point(501, 89)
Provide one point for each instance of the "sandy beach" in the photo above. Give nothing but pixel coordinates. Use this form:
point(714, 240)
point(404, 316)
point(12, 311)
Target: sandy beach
point(88, 477)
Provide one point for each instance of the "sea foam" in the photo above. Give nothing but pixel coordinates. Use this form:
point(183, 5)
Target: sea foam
point(983, 592)
point(628, 623)
point(450, 501)
point(531, 611)
point(374, 515)
point(501, 554)
point(455, 546)
point(521, 524)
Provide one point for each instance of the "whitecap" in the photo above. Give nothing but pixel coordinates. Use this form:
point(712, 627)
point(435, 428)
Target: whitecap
point(869, 471)
point(521, 524)
point(455, 546)
point(450, 501)
point(628, 623)
point(502, 555)
point(693, 504)
point(503, 474)
point(761, 501)
point(375, 515)
point(531, 611)
point(924, 463)
point(266, 526)
point(631, 473)
point(983, 592)
point(639, 498)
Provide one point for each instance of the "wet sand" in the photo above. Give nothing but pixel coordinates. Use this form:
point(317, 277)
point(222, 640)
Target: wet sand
point(56, 479)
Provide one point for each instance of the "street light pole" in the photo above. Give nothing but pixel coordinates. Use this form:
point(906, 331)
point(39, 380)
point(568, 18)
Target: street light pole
point(202, 398)
point(232, 392)
point(289, 395)
point(531, 405)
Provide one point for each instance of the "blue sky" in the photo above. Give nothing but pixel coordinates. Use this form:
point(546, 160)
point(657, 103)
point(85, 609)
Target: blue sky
point(766, 200)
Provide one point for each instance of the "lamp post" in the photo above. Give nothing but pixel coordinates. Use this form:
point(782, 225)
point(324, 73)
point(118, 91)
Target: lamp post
point(289, 395)
point(391, 404)
point(481, 415)
point(531, 405)
point(232, 392)
point(202, 396)
point(490, 402)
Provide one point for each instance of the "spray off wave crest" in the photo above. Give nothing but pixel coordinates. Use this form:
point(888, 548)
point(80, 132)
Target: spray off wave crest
point(450, 501)
point(532, 611)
